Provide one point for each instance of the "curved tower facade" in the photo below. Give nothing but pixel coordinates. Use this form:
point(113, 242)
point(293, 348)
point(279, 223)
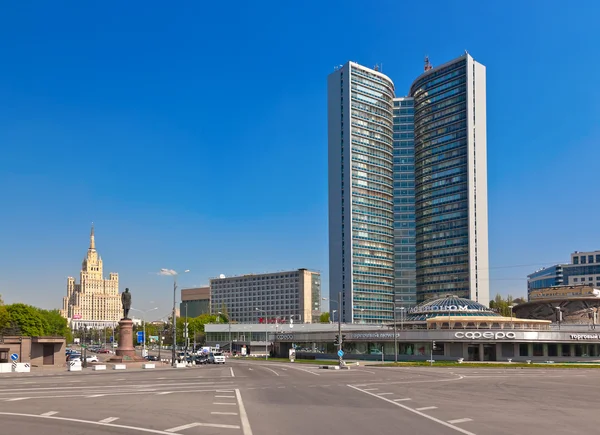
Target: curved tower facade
point(451, 181)
point(361, 213)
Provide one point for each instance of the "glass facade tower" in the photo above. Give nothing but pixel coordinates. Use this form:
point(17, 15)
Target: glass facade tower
point(451, 181)
point(361, 212)
point(404, 203)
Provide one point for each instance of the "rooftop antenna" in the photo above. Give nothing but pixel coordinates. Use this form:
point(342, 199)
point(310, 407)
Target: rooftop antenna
point(376, 67)
point(428, 65)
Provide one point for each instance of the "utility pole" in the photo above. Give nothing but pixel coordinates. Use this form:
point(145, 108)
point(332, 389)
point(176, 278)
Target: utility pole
point(395, 336)
point(174, 321)
point(186, 331)
point(340, 327)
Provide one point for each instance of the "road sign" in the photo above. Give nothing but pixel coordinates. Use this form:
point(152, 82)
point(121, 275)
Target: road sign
point(340, 353)
point(140, 336)
point(14, 356)
point(217, 345)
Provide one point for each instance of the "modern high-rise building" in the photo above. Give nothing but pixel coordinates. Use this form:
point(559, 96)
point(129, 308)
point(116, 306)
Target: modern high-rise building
point(584, 269)
point(451, 181)
point(405, 283)
point(94, 302)
point(361, 212)
point(195, 301)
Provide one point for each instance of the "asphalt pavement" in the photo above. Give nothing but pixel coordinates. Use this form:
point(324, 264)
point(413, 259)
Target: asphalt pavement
point(261, 398)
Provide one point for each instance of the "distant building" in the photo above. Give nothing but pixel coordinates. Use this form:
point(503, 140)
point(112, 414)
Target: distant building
point(584, 269)
point(94, 302)
point(563, 303)
point(269, 297)
point(195, 301)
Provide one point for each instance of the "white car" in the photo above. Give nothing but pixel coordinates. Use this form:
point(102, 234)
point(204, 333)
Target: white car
point(217, 358)
point(92, 359)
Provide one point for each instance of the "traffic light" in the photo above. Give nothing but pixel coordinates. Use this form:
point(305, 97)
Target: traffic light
point(337, 340)
point(343, 337)
point(433, 345)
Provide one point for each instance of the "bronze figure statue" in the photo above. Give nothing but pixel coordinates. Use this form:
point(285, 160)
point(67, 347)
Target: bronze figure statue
point(126, 301)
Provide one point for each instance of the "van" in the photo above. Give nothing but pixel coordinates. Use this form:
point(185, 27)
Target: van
point(216, 358)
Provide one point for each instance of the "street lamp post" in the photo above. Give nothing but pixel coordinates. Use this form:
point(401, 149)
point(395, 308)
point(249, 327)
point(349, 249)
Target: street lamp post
point(559, 316)
point(339, 304)
point(511, 316)
point(266, 332)
point(144, 326)
point(170, 272)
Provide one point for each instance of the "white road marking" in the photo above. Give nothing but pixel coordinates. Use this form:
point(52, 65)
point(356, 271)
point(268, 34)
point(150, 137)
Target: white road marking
point(411, 382)
point(460, 420)
point(370, 389)
point(271, 370)
point(95, 395)
point(402, 400)
point(17, 398)
point(224, 413)
point(231, 370)
point(249, 368)
point(425, 408)
point(187, 426)
point(409, 409)
point(243, 416)
point(49, 413)
point(223, 403)
point(384, 394)
point(164, 392)
point(76, 420)
point(225, 391)
point(280, 387)
point(108, 420)
point(225, 397)
point(101, 387)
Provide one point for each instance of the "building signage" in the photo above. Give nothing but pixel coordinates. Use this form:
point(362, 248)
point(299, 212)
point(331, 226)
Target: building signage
point(285, 336)
point(446, 308)
point(585, 337)
point(488, 335)
point(370, 335)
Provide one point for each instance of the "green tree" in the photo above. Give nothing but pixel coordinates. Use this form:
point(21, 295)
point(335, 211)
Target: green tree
point(324, 318)
point(57, 324)
point(4, 316)
point(27, 319)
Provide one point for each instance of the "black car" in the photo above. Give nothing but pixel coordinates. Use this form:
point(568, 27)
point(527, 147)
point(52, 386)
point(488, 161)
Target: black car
point(151, 358)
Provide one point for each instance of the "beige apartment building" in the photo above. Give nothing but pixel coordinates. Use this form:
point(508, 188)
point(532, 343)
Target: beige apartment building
point(269, 297)
point(94, 302)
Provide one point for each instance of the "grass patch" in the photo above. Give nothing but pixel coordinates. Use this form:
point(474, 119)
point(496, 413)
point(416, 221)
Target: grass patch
point(489, 365)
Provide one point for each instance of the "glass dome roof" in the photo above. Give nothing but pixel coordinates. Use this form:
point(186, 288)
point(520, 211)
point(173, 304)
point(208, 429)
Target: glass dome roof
point(449, 306)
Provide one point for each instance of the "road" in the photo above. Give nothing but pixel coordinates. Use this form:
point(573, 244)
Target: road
point(260, 398)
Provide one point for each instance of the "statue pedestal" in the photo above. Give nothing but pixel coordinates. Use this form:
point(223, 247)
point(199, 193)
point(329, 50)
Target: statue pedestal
point(125, 350)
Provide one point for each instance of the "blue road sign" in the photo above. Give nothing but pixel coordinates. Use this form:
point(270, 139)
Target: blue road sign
point(340, 353)
point(14, 356)
point(140, 336)
point(111, 339)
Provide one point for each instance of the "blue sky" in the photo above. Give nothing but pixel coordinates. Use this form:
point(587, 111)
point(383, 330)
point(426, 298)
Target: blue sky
point(195, 137)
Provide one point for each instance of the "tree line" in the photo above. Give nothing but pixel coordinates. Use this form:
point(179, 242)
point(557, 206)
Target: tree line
point(22, 319)
point(502, 305)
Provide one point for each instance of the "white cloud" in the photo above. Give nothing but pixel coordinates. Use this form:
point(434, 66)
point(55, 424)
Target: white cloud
point(167, 272)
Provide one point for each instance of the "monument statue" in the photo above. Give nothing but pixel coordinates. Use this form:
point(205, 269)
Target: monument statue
point(126, 301)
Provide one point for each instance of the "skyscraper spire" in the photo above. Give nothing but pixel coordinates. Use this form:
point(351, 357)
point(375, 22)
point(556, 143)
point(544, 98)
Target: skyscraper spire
point(92, 241)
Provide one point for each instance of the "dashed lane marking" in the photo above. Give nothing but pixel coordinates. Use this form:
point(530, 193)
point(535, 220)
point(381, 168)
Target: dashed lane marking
point(162, 393)
point(225, 391)
point(224, 403)
point(231, 370)
point(108, 420)
point(17, 398)
point(187, 426)
point(459, 420)
point(225, 397)
point(49, 413)
point(370, 389)
point(95, 395)
point(414, 411)
point(224, 413)
point(402, 400)
point(384, 394)
point(426, 408)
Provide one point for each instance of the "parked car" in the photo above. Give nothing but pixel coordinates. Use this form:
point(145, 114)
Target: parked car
point(216, 358)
